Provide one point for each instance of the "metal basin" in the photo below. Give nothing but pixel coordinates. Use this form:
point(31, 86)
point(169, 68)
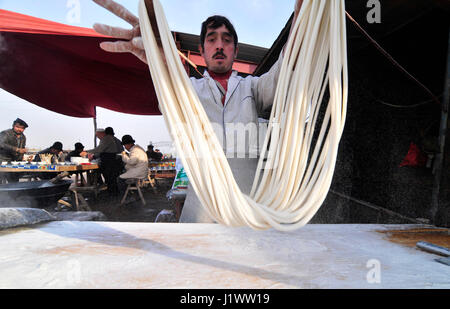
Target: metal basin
point(36, 194)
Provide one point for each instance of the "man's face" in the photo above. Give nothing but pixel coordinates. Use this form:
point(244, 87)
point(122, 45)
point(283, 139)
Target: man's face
point(128, 146)
point(219, 51)
point(100, 135)
point(18, 129)
point(55, 151)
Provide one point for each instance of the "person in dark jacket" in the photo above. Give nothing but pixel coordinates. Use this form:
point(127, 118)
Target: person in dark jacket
point(110, 163)
point(13, 141)
point(77, 153)
point(55, 150)
point(153, 155)
point(12, 147)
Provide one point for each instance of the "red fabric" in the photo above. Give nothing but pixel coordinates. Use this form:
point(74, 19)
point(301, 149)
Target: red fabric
point(16, 22)
point(62, 68)
point(223, 80)
point(415, 157)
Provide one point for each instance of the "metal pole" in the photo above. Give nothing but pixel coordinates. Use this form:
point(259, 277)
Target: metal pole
point(439, 163)
point(95, 127)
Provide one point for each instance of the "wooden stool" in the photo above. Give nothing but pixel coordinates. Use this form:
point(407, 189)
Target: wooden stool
point(80, 202)
point(149, 181)
point(134, 184)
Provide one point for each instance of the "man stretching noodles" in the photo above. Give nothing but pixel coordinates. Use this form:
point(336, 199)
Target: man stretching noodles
point(230, 101)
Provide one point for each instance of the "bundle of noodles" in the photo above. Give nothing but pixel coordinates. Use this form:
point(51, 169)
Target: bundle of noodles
point(291, 185)
point(46, 158)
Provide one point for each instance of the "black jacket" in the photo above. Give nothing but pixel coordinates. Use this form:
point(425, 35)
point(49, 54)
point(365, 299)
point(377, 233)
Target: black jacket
point(9, 142)
point(74, 154)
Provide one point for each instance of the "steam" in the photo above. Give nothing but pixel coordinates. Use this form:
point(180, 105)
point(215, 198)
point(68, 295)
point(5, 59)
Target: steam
point(20, 202)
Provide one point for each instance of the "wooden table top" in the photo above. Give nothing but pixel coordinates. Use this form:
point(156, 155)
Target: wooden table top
point(30, 168)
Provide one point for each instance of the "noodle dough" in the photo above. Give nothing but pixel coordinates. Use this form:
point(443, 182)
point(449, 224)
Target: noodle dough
point(292, 184)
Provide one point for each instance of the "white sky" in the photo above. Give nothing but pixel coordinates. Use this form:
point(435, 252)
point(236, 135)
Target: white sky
point(257, 22)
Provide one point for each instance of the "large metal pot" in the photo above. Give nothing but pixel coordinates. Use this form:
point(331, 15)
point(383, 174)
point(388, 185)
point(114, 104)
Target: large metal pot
point(36, 194)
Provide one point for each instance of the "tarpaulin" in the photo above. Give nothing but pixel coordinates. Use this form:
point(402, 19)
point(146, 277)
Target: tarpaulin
point(61, 68)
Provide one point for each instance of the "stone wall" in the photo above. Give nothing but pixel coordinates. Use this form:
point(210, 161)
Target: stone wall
point(377, 136)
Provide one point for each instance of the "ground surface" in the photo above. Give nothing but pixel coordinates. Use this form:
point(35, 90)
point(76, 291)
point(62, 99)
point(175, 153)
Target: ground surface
point(133, 210)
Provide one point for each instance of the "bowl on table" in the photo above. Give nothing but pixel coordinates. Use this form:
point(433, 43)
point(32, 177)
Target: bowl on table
point(28, 157)
point(79, 160)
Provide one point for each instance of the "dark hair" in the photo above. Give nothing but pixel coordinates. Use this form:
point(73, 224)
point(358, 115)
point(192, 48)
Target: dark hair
point(20, 122)
point(215, 22)
point(127, 139)
point(109, 131)
point(79, 146)
point(57, 146)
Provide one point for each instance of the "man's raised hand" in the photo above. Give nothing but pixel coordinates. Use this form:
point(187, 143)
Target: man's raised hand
point(131, 40)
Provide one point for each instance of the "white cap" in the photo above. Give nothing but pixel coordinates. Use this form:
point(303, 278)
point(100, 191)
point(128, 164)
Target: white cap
point(100, 130)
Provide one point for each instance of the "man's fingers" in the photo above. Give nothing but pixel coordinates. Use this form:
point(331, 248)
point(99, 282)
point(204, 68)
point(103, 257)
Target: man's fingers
point(115, 32)
point(137, 50)
point(124, 47)
point(138, 43)
point(141, 55)
point(121, 47)
point(119, 11)
point(117, 47)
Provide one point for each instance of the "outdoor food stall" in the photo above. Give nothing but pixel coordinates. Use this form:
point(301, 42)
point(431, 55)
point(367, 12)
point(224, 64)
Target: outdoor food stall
point(45, 193)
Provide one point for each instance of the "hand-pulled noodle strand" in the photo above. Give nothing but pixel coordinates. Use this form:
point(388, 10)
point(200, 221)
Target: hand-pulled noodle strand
point(292, 183)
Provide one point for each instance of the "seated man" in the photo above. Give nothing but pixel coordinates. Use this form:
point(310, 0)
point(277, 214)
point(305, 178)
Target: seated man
point(55, 151)
point(136, 162)
point(77, 153)
point(153, 155)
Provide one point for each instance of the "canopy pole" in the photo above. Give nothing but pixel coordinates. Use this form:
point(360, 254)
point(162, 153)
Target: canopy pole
point(95, 126)
point(439, 163)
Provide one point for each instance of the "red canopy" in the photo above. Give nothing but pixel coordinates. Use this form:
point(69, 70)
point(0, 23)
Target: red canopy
point(62, 68)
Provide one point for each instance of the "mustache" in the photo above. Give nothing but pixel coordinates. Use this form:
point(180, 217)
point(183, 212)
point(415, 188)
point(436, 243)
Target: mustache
point(219, 53)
